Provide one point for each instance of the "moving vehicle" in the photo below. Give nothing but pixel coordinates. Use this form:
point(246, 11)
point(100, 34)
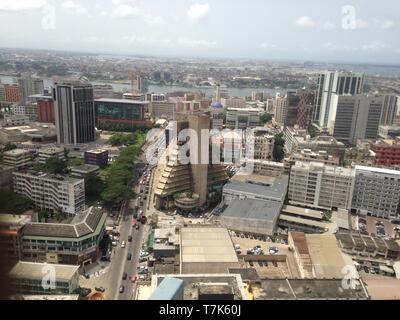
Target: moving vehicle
point(121, 289)
point(137, 227)
point(124, 276)
point(100, 289)
point(123, 244)
point(129, 257)
point(130, 238)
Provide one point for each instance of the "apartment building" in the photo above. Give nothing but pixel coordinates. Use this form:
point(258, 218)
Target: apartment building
point(321, 186)
point(163, 109)
point(51, 192)
point(376, 192)
point(266, 168)
point(17, 158)
point(30, 111)
point(263, 144)
point(387, 153)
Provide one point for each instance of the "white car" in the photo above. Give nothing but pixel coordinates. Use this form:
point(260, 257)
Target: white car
point(123, 244)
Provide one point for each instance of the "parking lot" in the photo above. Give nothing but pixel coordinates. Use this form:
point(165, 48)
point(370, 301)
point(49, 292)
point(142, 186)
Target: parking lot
point(376, 227)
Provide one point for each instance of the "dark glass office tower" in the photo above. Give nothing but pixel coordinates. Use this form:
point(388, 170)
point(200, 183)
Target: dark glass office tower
point(74, 112)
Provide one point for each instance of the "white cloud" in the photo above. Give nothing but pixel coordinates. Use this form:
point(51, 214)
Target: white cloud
point(198, 12)
point(16, 5)
point(306, 22)
point(266, 45)
point(192, 43)
point(387, 24)
point(74, 7)
point(127, 9)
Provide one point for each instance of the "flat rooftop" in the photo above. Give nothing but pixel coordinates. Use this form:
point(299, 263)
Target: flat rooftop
point(304, 289)
point(309, 213)
point(253, 209)
point(327, 259)
point(193, 281)
point(206, 245)
point(34, 271)
point(277, 190)
point(378, 170)
point(123, 101)
point(13, 219)
point(16, 152)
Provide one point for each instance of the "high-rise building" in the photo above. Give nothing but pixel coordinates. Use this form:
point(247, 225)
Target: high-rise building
point(12, 93)
point(389, 110)
point(2, 92)
point(305, 109)
point(280, 109)
point(30, 86)
point(319, 185)
point(334, 82)
point(51, 192)
point(376, 192)
point(355, 117)
point(263, 144)
point(45, 107)
point(292, 106)
point(188, 179)
point(74, 112)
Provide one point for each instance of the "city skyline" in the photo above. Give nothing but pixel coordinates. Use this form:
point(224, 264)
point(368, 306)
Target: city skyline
point(341, 32)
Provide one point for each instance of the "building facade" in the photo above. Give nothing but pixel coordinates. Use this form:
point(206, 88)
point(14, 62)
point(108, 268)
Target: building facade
point(51, 192)
point(17, 158)
point(376, 192)
point(321, 186)
point(45, 108)
point(355, 117)
point(334, 82)
point(12, 92)
point(123, 112)
point(242, 118)
point(74, 112)
point(96, 157)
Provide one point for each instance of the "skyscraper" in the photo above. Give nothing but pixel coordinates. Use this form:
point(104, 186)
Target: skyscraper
point(74, 112)
point(334, 82)
point(30, 86)
point(355, 117)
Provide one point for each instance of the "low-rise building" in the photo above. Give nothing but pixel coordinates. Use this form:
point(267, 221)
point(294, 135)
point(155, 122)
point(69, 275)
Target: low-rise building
point(52, 152)
point(17, 158)
point(387, 153)
point(51, 192)
point(96, 157)
point(389, 132)
point(84, 170)
point(75, 243)
point(266, 168)
point(10, 237)
point(253, 207)
point(28, 278)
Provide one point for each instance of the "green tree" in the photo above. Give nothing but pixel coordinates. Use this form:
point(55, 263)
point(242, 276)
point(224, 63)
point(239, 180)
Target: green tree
point(9, 146)
point(11, 202)
point(279, 152)
point(94, 186)
point(265, 118)
point(327, 215)
point(55, 165)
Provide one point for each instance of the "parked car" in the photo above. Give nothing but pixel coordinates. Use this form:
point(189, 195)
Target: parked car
point(86, 275)
point(121, 289)
point(124, 276)
point(137, 227)
point(100, 289)
point(251, 264)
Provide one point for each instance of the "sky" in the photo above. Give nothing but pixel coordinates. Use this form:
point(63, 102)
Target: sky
point(361, 31)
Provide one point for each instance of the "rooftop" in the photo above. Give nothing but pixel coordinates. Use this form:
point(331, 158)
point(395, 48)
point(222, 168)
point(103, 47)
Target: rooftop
point(49, 176)
point(34, 271)
point(123, 101)
point(16, 152)
point(253, 209)
point(82, 225)
point(275, 191)
point(292, 289)
point(377, 170)
point(207, 244)
point(13, 219)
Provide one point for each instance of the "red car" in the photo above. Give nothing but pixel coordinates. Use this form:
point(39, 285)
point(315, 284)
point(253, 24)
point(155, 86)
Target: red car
point(134, 223)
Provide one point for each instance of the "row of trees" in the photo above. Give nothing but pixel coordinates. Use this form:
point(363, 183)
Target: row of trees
point(279, 152)
point(120, 174)
point(11, 202)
